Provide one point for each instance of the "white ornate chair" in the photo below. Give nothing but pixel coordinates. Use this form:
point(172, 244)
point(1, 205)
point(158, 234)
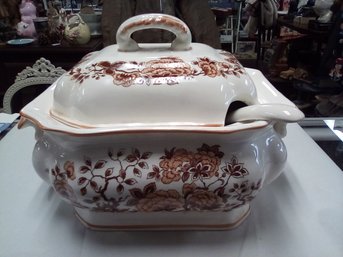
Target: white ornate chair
point(41, 73)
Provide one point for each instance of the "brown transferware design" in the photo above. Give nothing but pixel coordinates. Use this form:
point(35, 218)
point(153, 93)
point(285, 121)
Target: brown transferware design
point(164, 70)
point(205, 174)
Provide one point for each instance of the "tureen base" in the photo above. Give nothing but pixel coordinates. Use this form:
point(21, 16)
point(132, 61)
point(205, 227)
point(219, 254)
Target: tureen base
point(163, 220)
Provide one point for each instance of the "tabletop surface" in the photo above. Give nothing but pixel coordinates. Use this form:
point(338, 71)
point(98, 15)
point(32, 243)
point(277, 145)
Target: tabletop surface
point(299, 214)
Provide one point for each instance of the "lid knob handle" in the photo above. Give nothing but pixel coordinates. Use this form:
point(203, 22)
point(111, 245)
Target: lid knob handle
point(183, 39)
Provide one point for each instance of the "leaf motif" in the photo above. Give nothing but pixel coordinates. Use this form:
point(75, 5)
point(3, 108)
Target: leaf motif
point(136, 153)
point(131, 158)
point(151, 175)
point(156, 169)
point(94, 185)
point(195, 176)
point(237, 167)
point(244, 172)
point(168, 154)
point(120, 153)
point(146, 155)
point(120, 188)
point(130, 181)
point(81, 181)
point(225, 169)
point(136, 193)
point(100, 164)
point(108, 172)
point(149, 188)
point(237, 175)
point(143, 165)
point(137, 172)
point(219, 191)
point(185, 176)
point(83, 191)
point(88, 161)
point(234, 161)
point(84, 169)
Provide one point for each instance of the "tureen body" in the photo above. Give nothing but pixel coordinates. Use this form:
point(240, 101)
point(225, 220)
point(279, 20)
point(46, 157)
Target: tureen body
point(180, 178)
point(156, 136)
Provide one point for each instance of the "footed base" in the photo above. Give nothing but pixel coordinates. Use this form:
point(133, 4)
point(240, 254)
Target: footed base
point(163, 220)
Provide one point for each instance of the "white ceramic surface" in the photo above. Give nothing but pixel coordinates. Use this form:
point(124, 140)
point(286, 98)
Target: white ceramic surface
point(153, 154)
point(167, 84)
point(299, 214)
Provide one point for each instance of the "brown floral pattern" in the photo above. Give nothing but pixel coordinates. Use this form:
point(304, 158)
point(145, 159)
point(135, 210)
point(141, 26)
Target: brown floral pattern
point(164, 70)
point(69, 168)
point(208, 181)
point(61, 184)
point(213, 68)
point(179, 164)
point(173, 163)
point(161, 200)
point(199, 199)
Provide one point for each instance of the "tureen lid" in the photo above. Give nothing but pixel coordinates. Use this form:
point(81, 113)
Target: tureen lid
point(181, 83)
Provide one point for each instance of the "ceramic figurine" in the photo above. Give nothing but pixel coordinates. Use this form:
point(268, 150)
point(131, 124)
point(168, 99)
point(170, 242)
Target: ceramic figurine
point(26, 27)
point(76, 30)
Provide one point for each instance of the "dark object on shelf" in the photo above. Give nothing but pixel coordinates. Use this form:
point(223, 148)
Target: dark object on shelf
point(319, 86)
point(297, 73)
point(316, 25)
point(332, 106)
point(307, 90)
point(6, 32)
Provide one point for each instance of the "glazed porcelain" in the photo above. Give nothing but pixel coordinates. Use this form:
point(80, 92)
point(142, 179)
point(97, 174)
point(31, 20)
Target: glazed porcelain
point(143, 136)
point(76, 30)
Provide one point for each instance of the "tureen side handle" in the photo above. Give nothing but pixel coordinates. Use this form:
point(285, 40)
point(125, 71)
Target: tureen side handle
point(40, 157)
point(183, 39)
point(276, 156)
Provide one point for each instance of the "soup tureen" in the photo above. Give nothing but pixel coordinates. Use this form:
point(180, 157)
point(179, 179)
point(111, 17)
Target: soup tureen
point(159, 136)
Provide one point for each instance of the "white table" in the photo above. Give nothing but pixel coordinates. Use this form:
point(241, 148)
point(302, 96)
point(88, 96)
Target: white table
point(299, 214)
